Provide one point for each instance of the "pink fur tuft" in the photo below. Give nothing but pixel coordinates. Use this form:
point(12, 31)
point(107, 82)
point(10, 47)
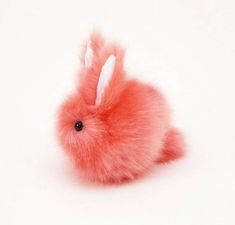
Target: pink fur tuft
point(173, 147)
point(126, 133)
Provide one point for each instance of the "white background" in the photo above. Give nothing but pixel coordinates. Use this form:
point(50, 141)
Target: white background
point(185, 47)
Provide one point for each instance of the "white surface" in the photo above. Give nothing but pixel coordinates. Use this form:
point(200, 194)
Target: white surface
point(185, 47)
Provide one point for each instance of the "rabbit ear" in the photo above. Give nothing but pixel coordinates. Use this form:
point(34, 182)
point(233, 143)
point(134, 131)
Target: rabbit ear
point(102, 72)
point(105, 77)
point(91, 50)
point(89, 55)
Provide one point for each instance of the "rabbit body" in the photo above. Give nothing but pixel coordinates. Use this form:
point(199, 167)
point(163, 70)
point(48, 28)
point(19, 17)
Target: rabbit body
point(126, 131)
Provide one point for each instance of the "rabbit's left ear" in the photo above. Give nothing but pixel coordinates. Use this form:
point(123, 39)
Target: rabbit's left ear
point(89, 55)
point(105, 77)
point(91, 50)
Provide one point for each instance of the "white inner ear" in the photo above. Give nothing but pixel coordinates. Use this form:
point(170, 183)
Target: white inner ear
point(89, 55)
point(105, 77)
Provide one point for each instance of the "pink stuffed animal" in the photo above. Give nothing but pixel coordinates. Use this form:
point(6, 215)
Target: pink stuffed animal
point(114, 128)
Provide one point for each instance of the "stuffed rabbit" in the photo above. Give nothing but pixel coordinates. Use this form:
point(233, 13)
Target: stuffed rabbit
point(114, 128)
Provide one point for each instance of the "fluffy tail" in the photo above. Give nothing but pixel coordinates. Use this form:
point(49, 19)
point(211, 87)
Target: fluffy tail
point(173, 147)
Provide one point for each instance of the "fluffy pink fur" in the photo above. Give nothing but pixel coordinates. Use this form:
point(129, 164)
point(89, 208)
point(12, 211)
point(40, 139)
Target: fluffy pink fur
point(127, 133)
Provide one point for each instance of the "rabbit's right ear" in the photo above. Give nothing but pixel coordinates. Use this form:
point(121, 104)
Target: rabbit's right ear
point(105, 77)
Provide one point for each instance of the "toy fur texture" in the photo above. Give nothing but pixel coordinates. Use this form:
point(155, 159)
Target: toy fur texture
point(125, 124)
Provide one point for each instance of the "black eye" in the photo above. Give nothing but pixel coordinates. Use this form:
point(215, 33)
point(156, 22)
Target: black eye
point(78, 126)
